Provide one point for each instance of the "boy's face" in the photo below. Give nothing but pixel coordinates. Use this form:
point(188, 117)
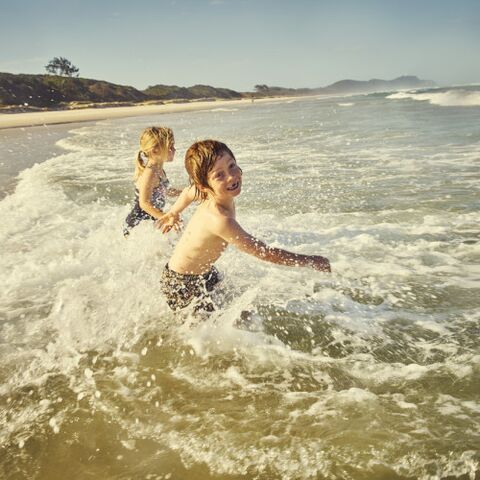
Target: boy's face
point(225, 178)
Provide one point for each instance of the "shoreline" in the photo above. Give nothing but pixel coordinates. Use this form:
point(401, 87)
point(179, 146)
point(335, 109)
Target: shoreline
point(30, 137)
point(58, 117)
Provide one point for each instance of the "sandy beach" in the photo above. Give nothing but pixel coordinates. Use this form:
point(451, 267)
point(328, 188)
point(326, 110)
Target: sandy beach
point(30, 119)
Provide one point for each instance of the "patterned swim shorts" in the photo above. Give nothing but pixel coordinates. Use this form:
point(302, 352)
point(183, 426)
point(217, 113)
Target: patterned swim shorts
point(180, 289)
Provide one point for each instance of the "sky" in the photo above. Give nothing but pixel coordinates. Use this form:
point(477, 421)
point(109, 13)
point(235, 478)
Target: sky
point(240, 43)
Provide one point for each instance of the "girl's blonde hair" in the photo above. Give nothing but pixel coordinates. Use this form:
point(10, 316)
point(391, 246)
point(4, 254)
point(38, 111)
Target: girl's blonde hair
point(152, 137)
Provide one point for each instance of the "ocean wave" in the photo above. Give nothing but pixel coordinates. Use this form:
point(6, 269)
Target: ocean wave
point(222, 109)
point(449, 98)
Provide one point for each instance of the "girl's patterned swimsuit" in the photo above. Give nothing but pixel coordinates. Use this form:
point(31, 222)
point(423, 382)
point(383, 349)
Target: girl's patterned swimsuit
point(136, 215)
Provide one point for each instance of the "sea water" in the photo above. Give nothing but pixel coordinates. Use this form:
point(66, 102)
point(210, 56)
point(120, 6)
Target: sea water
point(371, 372)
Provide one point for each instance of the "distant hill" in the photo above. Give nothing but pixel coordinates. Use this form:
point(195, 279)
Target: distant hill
point(376, 85)
point(53, 92)
point(351, 86)
point(170, 92)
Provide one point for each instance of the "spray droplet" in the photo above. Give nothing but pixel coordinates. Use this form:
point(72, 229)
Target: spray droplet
point(53, 424)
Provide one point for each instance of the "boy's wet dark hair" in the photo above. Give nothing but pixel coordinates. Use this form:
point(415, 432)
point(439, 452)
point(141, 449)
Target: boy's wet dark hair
point(199, 161)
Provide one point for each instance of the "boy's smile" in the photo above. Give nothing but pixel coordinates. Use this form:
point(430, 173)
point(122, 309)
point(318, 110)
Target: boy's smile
point(234, 186)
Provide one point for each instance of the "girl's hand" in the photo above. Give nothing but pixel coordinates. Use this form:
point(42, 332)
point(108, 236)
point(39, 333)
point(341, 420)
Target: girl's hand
point(169, 221)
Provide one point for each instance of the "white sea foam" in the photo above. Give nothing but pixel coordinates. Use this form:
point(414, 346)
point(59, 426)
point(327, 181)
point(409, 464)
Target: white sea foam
point(280, 394)
point(451, 98)
point(224, 110)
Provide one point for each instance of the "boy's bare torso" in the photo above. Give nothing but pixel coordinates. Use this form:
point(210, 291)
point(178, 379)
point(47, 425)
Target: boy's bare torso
point(199, 248)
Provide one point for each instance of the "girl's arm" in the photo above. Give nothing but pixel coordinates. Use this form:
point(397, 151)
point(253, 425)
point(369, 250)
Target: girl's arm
point(145, 188)
point(231, 231)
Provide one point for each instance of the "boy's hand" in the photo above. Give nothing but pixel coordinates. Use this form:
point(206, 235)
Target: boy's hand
point(321, 264)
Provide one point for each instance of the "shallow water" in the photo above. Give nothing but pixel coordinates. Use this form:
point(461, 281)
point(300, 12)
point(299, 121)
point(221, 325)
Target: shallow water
point(369, 373)
point(23, 147)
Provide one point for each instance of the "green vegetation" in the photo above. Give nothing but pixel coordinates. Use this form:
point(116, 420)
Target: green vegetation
point(172, 92)
point(54, 91)
point(61, 66)
point(268, 91)
point(24, 92)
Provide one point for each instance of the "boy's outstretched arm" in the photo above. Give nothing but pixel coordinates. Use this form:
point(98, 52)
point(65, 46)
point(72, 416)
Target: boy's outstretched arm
point(185, 198)
point(231, 231)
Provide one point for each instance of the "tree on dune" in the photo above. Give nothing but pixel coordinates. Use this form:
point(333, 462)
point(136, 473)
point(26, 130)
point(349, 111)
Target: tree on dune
point(261, 88)
point(61, 66)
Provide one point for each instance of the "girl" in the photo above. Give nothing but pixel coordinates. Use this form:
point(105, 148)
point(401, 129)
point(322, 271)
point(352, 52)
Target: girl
point(157, 146)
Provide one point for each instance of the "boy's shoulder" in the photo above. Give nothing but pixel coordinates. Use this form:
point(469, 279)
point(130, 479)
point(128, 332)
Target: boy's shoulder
point(215, 216)
point(222, 213)
point(214, 210)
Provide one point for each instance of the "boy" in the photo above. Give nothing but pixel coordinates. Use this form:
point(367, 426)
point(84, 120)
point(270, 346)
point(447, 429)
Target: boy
point(216, 180)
